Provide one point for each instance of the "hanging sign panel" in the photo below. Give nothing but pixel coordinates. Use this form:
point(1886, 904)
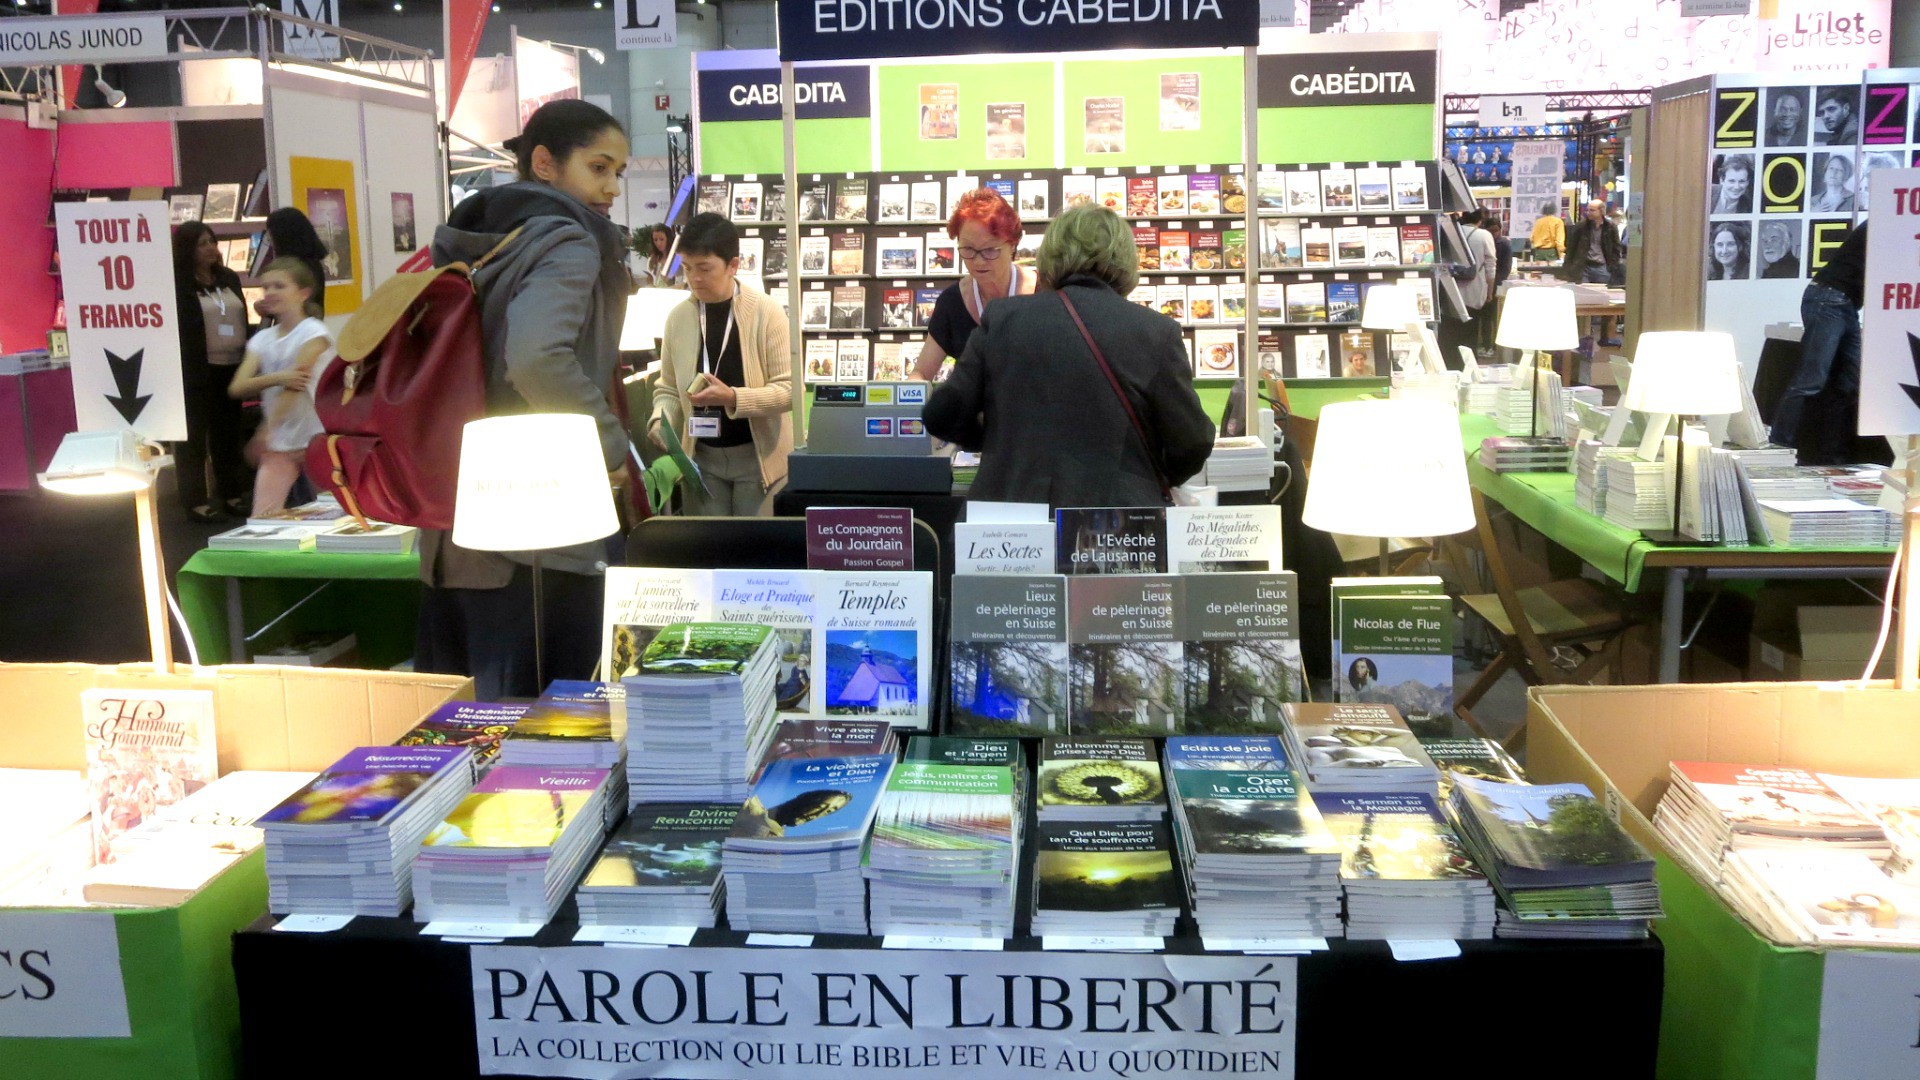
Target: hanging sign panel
point(116, 269)
point(865, 29)
point(93, 39)
point(1317, 80)
point(1890, 318)
point(820, 93)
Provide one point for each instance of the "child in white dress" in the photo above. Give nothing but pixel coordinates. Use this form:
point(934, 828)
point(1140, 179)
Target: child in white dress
point(281, 364)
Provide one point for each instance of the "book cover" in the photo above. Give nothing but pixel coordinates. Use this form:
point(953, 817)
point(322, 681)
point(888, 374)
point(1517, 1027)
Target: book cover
point(703, 648)
point(1240, 659)
point(957, 187)
point(847, 255)
point(1203, 303)
point(1113, 867)
point(850, 360)
point(1035, 200)
point(642, 599)
point(819, 351)
point(1383, 245)
point(1077, 772)
point(898, 255)
point(1272, 354)
point(1124, 634)
point(1316, 245)
point(1350, 245)
point(1203, 194)
point(829, 738)
point(786, 602)
point(875, 643)
point(366, 786)
point(1270, 300)
point(144, 749)
point(1231, 753)
point(752, 250)
point(954, 811)
point(816, 200)
point(1147, 296)
point(712, 197)
point(1233, 301)
point(1307, 302)
point(1146, 241)
point(1270, 190)
point(1172, 194)
point(815, 801)
point(1549, 834)
point(814, 250)
point(1343, 301)
point(474, 724)
point(1143, 199)
point(774, 206)
point(1111, 192)
point(1773, 800)
point(1395, 836)
point(1233, 250)
point(923, 301)
point(1078, 189)
point(1216, 353)
point(966, 750)
point(1003, 547)
point(1110, 540)
point(1416, 245)
point(556, 720)
point(666, 847)
point(892, 202)
point(519, 808)
point(1171, 301)
point(859, 538)
point(924, 201)
point(1422, 295)
point(890, 360)
point(1374, 188)
point(1208, 251)
point(1175, 248)
point(746, 201)
point(1345, 738)
point(1280, 244)
point(1303, 191)
point(896, 309)
point(1009, 666)
point(1336, 191)
point(1396, 650)
point(1311, 358)
point(848, 310)
point(1409, 188)
point(1246, 812)
point(1482, 759)
point(942, 254)
point(850, 199)
point(1002, 188)
point(1357, 354)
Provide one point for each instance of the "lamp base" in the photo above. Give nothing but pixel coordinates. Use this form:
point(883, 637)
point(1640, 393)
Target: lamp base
point(1663, 536)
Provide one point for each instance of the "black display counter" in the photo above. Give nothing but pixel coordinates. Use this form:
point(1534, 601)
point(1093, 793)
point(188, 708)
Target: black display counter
point(378, 991)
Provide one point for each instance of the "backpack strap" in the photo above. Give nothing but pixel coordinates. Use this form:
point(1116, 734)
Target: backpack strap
point(340, 481)
point(497, 249)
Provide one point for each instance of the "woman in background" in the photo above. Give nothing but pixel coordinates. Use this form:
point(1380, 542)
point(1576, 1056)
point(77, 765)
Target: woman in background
point(988, 231)
point(294, 237)
point(657, 241)
point(213, 337)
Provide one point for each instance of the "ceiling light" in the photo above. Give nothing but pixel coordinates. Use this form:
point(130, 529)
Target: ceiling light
point(598, 56)
point(115, 98)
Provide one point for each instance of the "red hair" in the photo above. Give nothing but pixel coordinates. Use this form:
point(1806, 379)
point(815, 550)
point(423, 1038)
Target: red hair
point(984, 207)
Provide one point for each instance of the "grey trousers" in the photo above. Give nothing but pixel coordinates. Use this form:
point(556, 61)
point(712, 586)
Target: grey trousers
point(734, 489)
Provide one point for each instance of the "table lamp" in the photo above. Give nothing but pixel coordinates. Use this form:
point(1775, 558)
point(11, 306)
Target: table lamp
point(532, 483)
point(1539, 321)
point(116, 463)
point(646, 321)
point(1389, 468)
point(1392, 309)
point(1680, 373)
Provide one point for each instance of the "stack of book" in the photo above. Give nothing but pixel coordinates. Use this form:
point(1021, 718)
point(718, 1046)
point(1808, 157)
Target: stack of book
point(481, 726)
point(1590, 474)
point(1258, 858)
point(322, 511)
point(945, 850)
point(1518, 453)
point(1482, 398)
point(279, 537)
point(570, 726)
point(179, 848)
point(1711, 808)
point(344, 844)
point(1563, 868)
point(1404, 869)
point(1862, 484)
point(792, 859)
point(1106, 879)
point(700, 712)
point(1481, 759)
point(1822, 898)
point(1104, 780)
point(1894, 805)
point(374, 537)
point(1637, 493)
point(1787, 481)
point(1239, 463)
point(1354, 746)
point(1826, 522)
point(513, 848)
point(828, 738)
point(660, 868)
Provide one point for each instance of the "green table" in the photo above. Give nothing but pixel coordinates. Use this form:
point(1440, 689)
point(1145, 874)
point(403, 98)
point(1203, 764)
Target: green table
point(222, 593)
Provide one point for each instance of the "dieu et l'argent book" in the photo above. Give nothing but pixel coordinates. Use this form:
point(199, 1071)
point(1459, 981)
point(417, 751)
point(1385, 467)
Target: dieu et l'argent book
point(1009, 666)
point(1241, 651)
point(1124, 638)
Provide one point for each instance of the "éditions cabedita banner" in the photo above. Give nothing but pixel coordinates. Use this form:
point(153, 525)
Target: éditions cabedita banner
point(835, 1014)
point(864, 29)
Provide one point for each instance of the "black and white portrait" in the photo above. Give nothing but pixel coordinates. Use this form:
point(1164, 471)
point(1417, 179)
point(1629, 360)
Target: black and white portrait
point(1833, 182)
point(1836, 115)
point(1733, 184)
point(1779, 248)
point(1729, 251)
point(1786, 116)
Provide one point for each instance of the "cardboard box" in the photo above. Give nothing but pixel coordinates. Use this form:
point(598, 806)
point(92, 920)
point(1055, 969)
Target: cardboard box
point(1737, 1006)
point(1822, 631)
point(182, 1007)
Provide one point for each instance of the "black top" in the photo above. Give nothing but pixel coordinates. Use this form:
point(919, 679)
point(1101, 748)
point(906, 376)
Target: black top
point(733, 432)
point(1847, 269)
point(951, 325)
point(193, 324)
point(1503, 259)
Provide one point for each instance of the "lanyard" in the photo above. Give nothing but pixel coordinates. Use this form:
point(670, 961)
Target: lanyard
point(710, 361)
point(1013, 287)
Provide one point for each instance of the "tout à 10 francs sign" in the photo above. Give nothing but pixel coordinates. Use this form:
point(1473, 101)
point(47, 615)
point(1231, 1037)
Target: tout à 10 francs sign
point(116, 269)
point(856, 29)
point(1890, 315)
point(95, 39)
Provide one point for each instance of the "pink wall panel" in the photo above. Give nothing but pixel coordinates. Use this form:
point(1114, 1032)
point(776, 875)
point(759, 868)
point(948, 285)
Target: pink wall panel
point(26, 243)
point(115, 155)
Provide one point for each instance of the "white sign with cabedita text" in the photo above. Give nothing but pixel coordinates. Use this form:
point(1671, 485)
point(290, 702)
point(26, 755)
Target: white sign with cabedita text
point(1890, 316)
point(116, 267)
point(60, 976)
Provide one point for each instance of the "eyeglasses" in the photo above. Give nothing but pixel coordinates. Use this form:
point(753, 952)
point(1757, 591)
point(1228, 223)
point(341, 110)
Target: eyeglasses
point(984, 254)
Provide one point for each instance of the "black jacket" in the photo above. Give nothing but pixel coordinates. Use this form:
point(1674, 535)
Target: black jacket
point(1028, 395)
point(194, 368)
point(1583, 233)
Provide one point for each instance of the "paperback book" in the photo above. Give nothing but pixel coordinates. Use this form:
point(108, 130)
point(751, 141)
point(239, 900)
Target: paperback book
point(1125, 654)
point(1009, 661)
point(876, 644)
point(1113, 878)
point(145, 749)
point(1396, 650)
point(1240, 655)
point(1110, 540)
point(660, 868)
point(1357, 747)
point(1099, 780)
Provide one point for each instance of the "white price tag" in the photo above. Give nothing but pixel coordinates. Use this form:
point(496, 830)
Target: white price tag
point(637, 935)
point(1424, 950)
point(312, 924)
point(957, 944)
point(482, 931)
point(782, 941)
point(1265, 946)
point(1100, 943)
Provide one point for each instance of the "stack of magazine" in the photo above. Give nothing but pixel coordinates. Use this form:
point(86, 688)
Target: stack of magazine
point(946, 841)
point(351, 537)
point(344, 844)
point(700, 712)
point(1823, 898)
point(1405, 871)
point(1826, 522)
point(792, 859)
point(1105, 878)
point(1712, 808)
point(1258, 858)
point(1637, 493)
point(660, 868)
point(1590, 474)
point(479, 725)
point(570, 726)
point(1100, 779)
point(1353, 746)
point(512, 850)
point(1562, 866)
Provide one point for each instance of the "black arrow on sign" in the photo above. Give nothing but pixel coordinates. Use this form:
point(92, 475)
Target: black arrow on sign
point(126, 378)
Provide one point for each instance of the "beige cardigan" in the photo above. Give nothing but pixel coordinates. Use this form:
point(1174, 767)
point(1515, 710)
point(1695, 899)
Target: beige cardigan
point(766, 401)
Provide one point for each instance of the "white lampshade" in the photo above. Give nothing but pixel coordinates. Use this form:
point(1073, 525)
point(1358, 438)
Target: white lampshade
point(1389, 468)
point(530, 483)
point(1690, 372)
point(1538, 317)
point(1389, 307)
point(646, 320)
point(99, 463)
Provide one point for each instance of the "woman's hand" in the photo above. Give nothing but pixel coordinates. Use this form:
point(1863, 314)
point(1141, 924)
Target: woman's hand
point(714, 392)
point(295, 378)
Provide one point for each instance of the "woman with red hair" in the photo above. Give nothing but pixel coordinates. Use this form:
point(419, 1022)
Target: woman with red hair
point(988, 231)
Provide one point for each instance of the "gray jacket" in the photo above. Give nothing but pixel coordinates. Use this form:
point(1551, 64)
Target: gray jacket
point(1028, 395)
point(551, 306)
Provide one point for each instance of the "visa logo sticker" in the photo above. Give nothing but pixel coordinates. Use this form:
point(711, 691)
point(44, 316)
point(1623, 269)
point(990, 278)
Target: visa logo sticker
point(912, 395)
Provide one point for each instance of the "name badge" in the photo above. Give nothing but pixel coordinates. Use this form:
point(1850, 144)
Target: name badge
point(706, 427)
point(228, 330)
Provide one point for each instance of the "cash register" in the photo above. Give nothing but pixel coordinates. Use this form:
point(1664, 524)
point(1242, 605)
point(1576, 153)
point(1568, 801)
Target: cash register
point(869, 437)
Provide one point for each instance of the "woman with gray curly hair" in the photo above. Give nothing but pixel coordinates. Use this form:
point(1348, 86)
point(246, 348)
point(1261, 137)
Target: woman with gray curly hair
point(1075, 396)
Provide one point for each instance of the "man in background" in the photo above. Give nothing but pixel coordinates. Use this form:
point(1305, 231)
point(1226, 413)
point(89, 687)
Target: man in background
point(1594, 256)
point(1549, 237)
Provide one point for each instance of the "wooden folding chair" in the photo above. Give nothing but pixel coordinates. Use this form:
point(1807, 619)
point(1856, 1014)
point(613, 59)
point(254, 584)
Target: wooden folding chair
point(1530, 623)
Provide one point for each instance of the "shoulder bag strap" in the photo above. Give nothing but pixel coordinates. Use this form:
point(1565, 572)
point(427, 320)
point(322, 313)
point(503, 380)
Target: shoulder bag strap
point(1153, 456)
